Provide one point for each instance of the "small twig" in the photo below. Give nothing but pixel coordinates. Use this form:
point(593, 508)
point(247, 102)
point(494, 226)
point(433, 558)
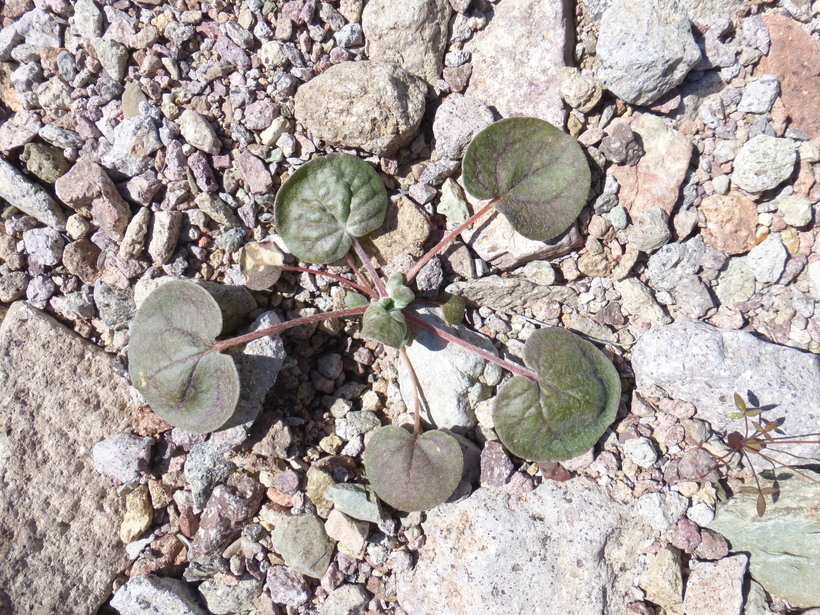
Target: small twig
point(447, 239)
point(249, 337)
point(369, 266)
point(510, 367)
point(416, 392)
point(352, 264)
point(333, 276)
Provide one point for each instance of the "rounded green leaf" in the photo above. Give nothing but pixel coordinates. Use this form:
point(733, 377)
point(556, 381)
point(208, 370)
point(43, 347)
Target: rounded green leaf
point(325, 202)
point(172, 362)
point(385, 326)
point(538, 172)
point(413, 473)
point(568, 410)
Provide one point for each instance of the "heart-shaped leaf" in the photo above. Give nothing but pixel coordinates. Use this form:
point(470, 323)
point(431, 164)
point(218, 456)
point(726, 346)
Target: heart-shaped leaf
point(568, 410)
point(261, 264)
point(539, 173)
point(172, 362)
point(387, 326)
point(413, 473)
point(325, 202)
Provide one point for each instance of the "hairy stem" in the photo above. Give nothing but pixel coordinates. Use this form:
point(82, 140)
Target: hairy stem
point(510, 367)
point(447, 239)
point(416, 392)
point(333, 276)
point(248, 337)
point(369, 266)
point(352, 264)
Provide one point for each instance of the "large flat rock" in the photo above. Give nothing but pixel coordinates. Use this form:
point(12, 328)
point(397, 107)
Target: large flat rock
point(59, 395)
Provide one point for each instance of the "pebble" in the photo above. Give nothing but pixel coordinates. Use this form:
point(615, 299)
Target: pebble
point(638, 300)
point(198, 131)
point(662, 580)
point(154, 595)
point(759, 95)
point(303, 543)
point(496, 467)
point(134, 140)
point(29, 197)
point(112, 55)
point(350, 535)
point(44, 245)
point(205, 467)
point(457, 121)
point(349, 599)
point(138, 514)
point(731, 222)
point(796, 210)
point(287, 586)
point(640, 451)
point(164, 236)
point(123, 457)
point(767, 260)
point(763, 163)
point(651, 230)
point(256, 174)
point(115, 305)
point(356, 501)
point(238, 596)
point(715, 588)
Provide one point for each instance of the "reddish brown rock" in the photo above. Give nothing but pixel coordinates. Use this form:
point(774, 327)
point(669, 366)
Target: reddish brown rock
point(145, 422)
point(256, 174)
point(795, 58)
point(166, 557)
point(80, 258)
point(655, 181)
point(731, 220)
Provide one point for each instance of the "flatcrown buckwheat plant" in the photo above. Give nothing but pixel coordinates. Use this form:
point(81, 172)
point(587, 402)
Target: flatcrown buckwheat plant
point(555, 407)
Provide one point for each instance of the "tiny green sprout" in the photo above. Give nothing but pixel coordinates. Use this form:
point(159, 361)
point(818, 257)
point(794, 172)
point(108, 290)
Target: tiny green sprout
point(555, 407)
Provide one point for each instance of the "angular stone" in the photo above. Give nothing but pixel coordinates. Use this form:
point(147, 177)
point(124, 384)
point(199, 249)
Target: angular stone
point(517, 59)
point(784, 544)
point(349, 599)
point(29, 197)
point(223, 598)
point(123, 456)
point(763, 163)
point(767, 259)
point(715, 588)
point(375, 106)
point(112, 55)
point(662, 580)
point(588, 533)
point(287, 586)
point(134, 140)
point(404, 231)
point(410, 34)
point(645, 48)
point(198, 131)
point(731, 221)
point(256, 174)
point(457, 121)
point(795, 58)
point(217, 209)
point(303, 544)
point(356, 501)
point(655, 181)
point(501, 294)
point(164, 235)
point(153, 595)
point(349, 534)
point(639, 301)
point(704, 365)
point(58, 517)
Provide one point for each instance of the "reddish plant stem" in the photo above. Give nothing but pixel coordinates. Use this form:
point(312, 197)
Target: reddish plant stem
point(447, 239)
point(369, 266)
point(416, 392)
point(352, 264)
point(249, 337)
point(333, 276)
point(510, 367)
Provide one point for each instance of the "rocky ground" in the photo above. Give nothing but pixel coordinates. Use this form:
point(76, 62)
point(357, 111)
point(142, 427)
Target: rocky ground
point(144, 139)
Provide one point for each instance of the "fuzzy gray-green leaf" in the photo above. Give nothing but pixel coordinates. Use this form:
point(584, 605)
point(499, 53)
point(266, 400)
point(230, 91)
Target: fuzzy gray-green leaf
point(171, 361)
point(386, 326)
point(325, 203)
point(539, 173)
point(413, 473)
point(568, 410)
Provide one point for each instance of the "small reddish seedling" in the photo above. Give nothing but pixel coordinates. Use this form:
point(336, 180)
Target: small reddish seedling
point(755, 442)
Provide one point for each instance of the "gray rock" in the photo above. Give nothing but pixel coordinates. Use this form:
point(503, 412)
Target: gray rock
point(58, 517)
point(692, 297)
point(349, 35)
point(767, 259)
point(29, 197)
point(704, 365)
point(673, 262)
point(74, 306)
point(60, 137)
point(588, 533)
point(152, 595)
point(452, 379)
point(457, 121)
point(410, 34)
point(517, 58)
point(651, 230)
point(645, 48)
point(784, 544)
point(164, 235)
point(223, 599)
point(640, 451)
point(356, 423)
point(135, 139)
point(287, 586)
point(375, 106)
point(21, 128)
point(198, 132)
point(735, 283)
point(303, 544)
point(10, 37)
point(501, 294)
point(698, 10)
point(123, 456)
point(763, 163)
point(112, 55)
point(715, 588)
point(115, 305)
point(44, 245)
point(639, 301)
point(205, 467)
point(349, 599)
point(498, 243)
point(217, 209)
point(238, 34)
point(796, 210)
point(88, 19)
point(759, 95)
point(134, 240)
point(357, 501)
